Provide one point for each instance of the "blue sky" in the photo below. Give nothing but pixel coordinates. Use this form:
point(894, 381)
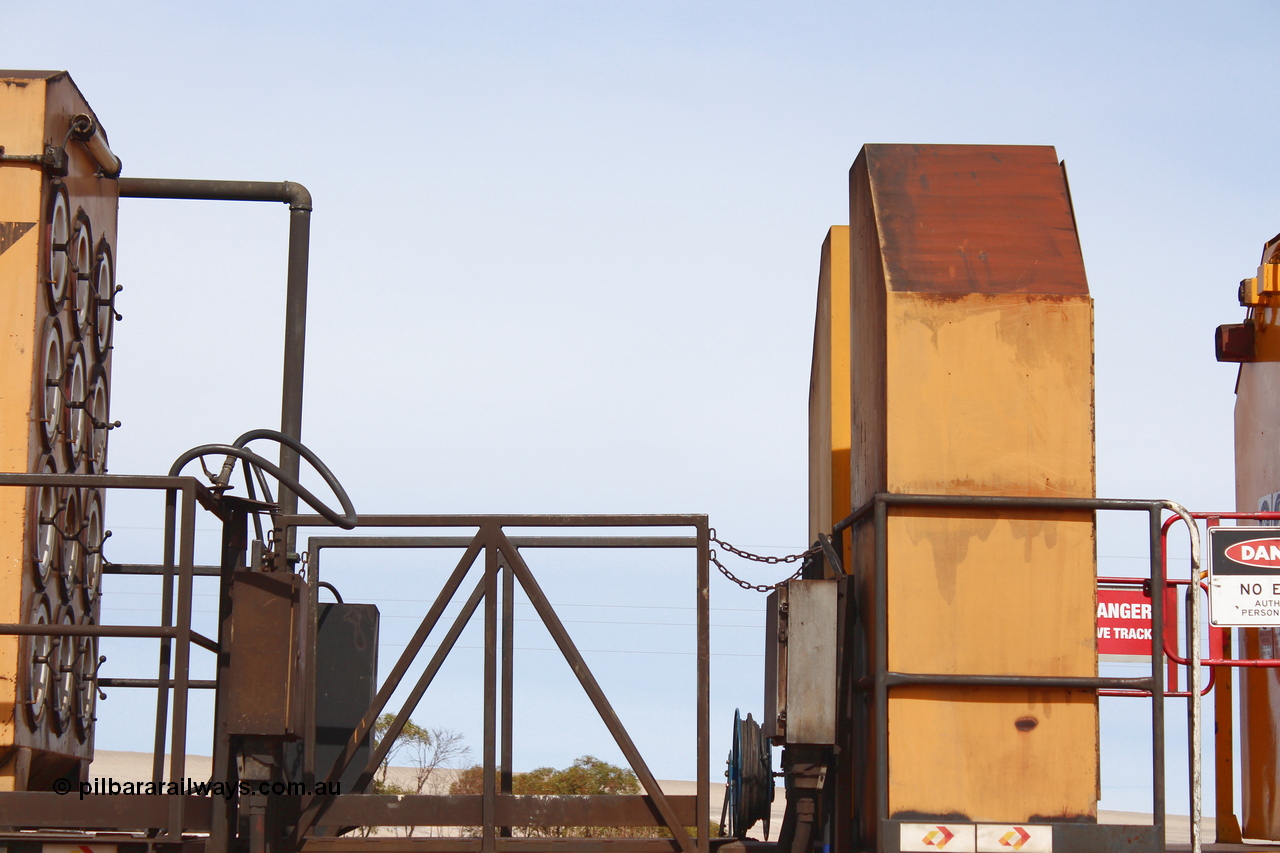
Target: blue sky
point(564, 259)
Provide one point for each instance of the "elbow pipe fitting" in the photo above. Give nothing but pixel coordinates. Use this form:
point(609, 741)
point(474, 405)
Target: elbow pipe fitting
point(87, 131)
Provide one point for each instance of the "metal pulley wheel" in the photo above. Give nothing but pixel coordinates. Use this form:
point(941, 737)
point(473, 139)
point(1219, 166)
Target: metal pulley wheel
point(749, 789)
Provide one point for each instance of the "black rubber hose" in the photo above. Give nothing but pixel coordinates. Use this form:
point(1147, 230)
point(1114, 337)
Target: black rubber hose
point(346, 521)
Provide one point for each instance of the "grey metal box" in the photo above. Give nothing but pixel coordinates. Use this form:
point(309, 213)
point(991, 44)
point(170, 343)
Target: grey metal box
point(800, 662)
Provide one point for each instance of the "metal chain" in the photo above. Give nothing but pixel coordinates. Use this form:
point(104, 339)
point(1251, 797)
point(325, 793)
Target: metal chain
point(759, 558)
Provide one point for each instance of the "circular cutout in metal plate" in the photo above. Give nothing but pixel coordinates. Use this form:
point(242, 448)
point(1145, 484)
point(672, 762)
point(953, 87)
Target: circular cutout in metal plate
point(57, 247)
point(50, 401)
point(71, 572)
point(97, 407)
point(94, 537)
point(86, 682)
point(48, 545)
point(62, 678)
point(81, 278)
point(104, 301)
point(38, 653)
point(75, 382)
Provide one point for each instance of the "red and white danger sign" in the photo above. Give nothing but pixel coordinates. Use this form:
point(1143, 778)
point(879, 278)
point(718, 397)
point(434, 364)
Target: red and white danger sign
point(1124, 622)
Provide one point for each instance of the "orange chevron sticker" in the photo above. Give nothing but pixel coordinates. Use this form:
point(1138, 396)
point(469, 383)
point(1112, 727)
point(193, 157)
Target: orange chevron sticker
point(1015, 838)
point(938, 837)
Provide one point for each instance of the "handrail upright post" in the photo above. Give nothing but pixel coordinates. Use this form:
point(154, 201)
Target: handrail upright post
point(881, 666)
point(1156, 546)
point(178, 741)
point(166, 620)
point(490, 688)
point(508, 683)
point(704, 685)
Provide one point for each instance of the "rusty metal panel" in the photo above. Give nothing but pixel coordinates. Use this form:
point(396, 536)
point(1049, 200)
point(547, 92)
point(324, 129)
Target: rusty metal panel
point(45, 809)
point(975, 219)
point(259, 679)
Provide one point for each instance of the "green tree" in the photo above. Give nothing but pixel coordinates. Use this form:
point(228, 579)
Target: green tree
point(587, 775)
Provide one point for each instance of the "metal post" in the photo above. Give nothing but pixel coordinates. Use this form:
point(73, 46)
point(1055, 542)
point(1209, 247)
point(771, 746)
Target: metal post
point(704, 686)
point(881, 653)
point(490, 687)
point(508, 682)
point(1157, 677)
point(295, 343)
point(178, 742)
point(166, 619)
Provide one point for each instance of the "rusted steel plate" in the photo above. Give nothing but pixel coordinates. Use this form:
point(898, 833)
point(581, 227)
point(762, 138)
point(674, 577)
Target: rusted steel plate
point(974, 219)
point(44, 809)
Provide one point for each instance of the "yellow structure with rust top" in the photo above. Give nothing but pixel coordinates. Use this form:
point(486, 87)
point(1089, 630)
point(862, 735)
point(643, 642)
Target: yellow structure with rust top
point(970, 369)
point(57, 286)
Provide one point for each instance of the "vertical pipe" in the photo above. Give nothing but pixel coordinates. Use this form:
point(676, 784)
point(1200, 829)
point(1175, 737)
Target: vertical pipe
point(881, 544)
point(508, 679)
point(295, 342)
point(313, 617)
point(178, 748)
point(490, 686)
point(166, 619)
point(1157, 676)
point(704, 687)
point(1228, 826)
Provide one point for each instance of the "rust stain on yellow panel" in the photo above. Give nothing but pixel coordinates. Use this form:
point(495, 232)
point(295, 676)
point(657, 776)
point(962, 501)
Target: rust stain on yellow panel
point(830, 422)
point(991, 595)
point(992, 754)
point(972, 374)
point(991, 394)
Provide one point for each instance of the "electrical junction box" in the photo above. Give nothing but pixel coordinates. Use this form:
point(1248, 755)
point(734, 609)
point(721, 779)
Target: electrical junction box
point(800, 663)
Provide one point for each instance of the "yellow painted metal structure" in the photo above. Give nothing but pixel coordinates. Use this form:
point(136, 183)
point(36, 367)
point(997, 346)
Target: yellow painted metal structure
point(830, 419)
point(970, 365)
point(1257, 419)
point(57, 244)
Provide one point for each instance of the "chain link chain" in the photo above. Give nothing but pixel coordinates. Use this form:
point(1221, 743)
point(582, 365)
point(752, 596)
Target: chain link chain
point(803, 557)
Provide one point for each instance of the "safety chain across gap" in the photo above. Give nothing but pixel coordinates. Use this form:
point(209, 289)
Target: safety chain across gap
point(803, 556)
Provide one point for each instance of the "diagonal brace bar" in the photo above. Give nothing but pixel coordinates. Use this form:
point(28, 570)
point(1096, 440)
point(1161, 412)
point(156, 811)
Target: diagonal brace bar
point(313, 804)
point(552, 622)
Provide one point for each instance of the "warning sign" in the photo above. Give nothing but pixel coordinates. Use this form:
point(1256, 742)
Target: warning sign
point(1124, 623)
point(1244, 576)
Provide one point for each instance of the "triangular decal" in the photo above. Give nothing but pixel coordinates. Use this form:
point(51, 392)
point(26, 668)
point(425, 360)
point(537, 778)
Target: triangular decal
point(11, 232)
